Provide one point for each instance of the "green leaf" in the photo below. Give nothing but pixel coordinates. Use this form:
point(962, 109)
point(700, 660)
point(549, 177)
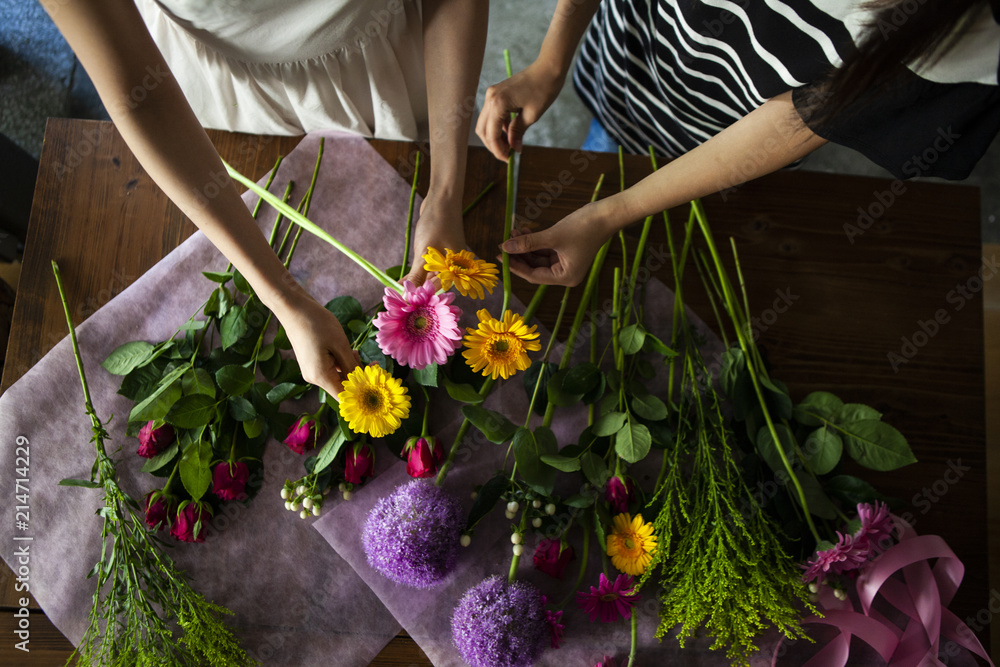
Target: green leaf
point(271, 367)
point(198, 381)
point(285, 390)
point(346, 308)
point(217, 277)
point(633, 441)
point(141, 381)
point(531, 378)
point(853, 412)
point(494, 426)
point(192, 411)
point(233, 327)
point(654, 344)
point(822, 450)
point(595, 470)
point(631, 338)
point(85, 483)
point(235, 380)
point(241, 409)
point(779, 400)
point(816, 407)
point(559, 462)
point(877, 445)
point(609, 424)
point(648, 407)
point(557, 395)
point(853, 490)
point(528, 451)
point(127, 357)
point(819, 504)
point(329, 451)
point(161, 459)
point(254, 427)
point(196, 473)
point(580, 500)
point(768, 449)
point(370, 351)
point(394, 272)
point(241, 284)
point(427, 376)
point(281, 340)
point(158, 403)
point(211, 308)
point(582, 378)
point(487, 498)
point(463, 393)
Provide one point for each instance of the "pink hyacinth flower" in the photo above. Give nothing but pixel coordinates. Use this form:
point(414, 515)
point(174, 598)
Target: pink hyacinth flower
point(419, 327)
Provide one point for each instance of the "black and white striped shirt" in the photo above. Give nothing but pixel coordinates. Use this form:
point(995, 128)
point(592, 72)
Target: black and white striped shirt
point(673, 73)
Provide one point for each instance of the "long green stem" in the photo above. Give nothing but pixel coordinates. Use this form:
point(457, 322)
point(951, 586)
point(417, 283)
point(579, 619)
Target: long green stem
point(409, 217)
point(635, 637)
point(583, 567)
point(516, 558)
point(508, 218)
point(313, 228)
point(76, 353)
point(471, 204)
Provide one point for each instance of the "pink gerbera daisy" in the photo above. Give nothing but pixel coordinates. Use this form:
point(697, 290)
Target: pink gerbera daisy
point(609, 601)
point(418, 327)
point(875, 533)
point(842, 557)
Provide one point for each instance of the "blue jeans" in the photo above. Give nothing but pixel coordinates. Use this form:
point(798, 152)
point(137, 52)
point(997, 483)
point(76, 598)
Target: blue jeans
point(598, 140)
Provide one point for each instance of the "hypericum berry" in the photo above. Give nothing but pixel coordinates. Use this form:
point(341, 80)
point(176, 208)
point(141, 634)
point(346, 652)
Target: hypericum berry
point(840, 594)
point(342, 487)
point(303, 514)
point(288, 505)
point(813, 587)
point(348, 495)
point(509, 514)
point(285, 493)
point(475, 494)
point(518, 549)
point(465, 540)
point(536, 503)
point(513, 507)
point(295, 507)
point(315, 510)
point(537, 522)
point(550, 509)
point(515, 538)
point(299, 490)
point(307, 503)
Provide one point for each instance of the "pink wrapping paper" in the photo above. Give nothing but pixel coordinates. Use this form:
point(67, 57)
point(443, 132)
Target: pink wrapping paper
point(296, 601)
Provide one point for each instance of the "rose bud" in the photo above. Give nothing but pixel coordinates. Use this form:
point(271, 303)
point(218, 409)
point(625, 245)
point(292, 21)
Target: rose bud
point(152, 441)
point(304, 434)
point(159, 509)
point(423, 457)
point(619, 493)
point(552, 557)
point(360, 462)
point(189, 526)
point(230, 479)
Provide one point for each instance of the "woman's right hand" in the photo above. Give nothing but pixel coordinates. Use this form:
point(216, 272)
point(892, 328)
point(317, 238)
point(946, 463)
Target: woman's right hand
point(528, 94)
point(320, 345)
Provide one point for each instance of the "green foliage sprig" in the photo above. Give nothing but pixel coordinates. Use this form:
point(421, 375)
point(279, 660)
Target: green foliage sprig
point(139, 593)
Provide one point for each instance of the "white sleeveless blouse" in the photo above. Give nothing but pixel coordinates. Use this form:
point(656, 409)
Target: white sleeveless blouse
point(289, 67)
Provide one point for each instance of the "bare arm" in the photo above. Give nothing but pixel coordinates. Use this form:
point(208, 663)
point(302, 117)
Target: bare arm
point(454, 40)
point(111, 40)
point(530, 92)
point(763, 141)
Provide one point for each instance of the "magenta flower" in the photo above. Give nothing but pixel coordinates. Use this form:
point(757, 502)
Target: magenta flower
point(423, 455)
point(609, 601)
point(304, 434)
point(159, 509)
point(189, 525)
point(152, 441)
point(229, 480)
point(607, 662)
point(360, 463)
point(551, 557)
point(556, 628)
point(842, 557)
point(619, 492)
point(418, 328)
point(876, 528)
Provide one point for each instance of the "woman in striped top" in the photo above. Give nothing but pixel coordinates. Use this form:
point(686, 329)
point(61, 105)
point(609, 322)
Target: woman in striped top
point(735, 89)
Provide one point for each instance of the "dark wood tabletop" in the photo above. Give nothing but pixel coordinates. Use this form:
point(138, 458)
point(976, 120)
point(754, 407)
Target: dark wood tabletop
point(832, 305)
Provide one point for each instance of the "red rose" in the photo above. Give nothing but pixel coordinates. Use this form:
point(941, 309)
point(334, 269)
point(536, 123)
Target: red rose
point(423, 457)
point(230, 479)
point(304, 434)
point(619, 493)
point(552, 558)
point(158, 509)
point(360, 462)
point(189, 526)
point(152, 441)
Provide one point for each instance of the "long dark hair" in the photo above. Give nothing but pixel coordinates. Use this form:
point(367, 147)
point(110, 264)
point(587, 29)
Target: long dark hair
point(901, 32)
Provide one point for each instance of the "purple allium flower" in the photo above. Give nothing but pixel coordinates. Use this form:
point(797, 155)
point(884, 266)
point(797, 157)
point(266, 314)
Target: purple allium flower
point(412, 535)
point(500, 624)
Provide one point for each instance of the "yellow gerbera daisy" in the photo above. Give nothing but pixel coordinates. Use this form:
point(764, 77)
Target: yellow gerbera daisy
point(631, 544)
point(501, 348)
point(463, 270)
point(373, 401)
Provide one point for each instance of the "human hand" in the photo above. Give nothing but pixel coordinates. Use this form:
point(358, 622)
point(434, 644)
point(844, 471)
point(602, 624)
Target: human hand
point(439, 226)
point(528, 94)
point(320, 345)
point(561, 254)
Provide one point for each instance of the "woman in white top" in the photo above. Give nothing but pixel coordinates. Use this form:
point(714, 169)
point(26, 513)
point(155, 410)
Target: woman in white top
point(396, 69)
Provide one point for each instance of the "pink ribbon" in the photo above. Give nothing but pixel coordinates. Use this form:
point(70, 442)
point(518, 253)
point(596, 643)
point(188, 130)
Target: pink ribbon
point(922, 596)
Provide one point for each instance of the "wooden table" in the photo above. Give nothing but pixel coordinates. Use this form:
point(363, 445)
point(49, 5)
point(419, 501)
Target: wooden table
point(830, 311)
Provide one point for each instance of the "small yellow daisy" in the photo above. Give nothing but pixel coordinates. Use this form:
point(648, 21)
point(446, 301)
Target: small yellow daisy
point(463, 270)
point(631, 544)
point(501, 348)
point(373, 401)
